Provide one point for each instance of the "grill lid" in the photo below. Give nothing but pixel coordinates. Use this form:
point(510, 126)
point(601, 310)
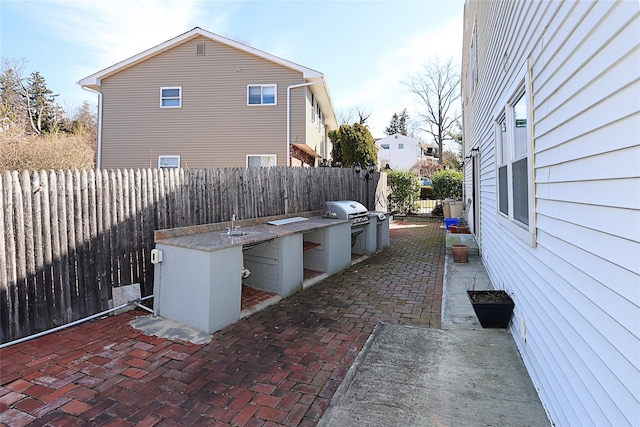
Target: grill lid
point(344, 209)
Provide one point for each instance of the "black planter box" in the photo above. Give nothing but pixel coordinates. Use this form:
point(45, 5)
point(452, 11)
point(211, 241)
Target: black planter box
point(493, 308)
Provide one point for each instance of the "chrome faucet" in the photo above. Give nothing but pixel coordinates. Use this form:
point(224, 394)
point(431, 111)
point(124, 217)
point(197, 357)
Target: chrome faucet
point(234, 227)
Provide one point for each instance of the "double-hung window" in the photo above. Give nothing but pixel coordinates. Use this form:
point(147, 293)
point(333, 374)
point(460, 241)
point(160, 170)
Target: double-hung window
point(514, 169)
point(169, 162)
point(262, 94)
point(171, 97)
point(261, 160)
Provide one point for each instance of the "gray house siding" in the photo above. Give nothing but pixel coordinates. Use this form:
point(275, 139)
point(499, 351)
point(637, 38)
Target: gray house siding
point(576, 280)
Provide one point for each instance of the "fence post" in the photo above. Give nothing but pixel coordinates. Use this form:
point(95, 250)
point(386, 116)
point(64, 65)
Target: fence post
point(4, 282)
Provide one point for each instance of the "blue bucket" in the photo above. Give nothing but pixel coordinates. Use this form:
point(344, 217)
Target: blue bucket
point(450, 221)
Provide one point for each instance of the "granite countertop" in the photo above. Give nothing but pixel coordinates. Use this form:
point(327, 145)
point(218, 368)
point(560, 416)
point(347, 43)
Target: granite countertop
point(216, 240)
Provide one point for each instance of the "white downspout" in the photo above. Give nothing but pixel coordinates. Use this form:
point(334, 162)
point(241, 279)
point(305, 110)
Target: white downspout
point(99, 120)
point(289, 114)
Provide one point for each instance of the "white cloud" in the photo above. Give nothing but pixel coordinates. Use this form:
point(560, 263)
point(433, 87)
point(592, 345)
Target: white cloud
point(110, 31)
point(99, 33)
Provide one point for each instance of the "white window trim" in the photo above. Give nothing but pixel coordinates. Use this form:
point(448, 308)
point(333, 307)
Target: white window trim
point(262, 104)
point(161, 158)
point(313, 108)
point(275, 157)
point(473, 53)
point(526, 233)
point(163, 98)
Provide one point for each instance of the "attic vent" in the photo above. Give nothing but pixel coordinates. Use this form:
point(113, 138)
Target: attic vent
point(200, 49)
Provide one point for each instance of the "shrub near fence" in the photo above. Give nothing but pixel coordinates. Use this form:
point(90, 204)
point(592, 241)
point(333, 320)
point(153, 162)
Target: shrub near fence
point(69, 237)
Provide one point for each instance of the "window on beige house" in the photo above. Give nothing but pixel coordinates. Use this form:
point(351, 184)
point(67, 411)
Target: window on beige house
point(261, 160)
point(171, 97)
point(262, 94)
point(169, 162)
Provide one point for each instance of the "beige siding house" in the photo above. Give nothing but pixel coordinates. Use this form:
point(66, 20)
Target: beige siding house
point(200, 100)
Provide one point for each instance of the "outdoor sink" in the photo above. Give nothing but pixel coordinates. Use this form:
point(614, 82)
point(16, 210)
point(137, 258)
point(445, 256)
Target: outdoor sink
point(237, 233)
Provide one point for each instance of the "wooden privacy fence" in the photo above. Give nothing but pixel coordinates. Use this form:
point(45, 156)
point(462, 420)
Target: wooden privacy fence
point(70, 236)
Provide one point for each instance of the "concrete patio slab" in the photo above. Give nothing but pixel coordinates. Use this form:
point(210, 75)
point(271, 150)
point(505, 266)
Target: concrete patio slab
point(461, 375)
point(407, 376)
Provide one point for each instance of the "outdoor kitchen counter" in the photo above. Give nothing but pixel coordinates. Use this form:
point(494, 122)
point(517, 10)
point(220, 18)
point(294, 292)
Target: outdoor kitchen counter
point(200, 270)
point(218, 239)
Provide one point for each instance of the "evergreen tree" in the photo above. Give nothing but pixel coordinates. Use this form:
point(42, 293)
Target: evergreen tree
point(403, 119)
point(43, 112)
point(353, 144)
point(392, 129)
point(398, 124)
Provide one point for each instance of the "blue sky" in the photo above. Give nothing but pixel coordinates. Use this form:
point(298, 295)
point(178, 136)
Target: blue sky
point(364, 48)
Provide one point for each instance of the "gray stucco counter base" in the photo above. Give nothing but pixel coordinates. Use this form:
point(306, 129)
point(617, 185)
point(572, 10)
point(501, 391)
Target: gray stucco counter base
point(199, 280)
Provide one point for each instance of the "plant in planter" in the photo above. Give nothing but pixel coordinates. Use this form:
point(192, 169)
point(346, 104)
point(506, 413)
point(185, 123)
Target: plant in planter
point(493, 307)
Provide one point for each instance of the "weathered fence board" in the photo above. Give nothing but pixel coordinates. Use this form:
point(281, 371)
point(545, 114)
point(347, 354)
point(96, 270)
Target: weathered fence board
point(69, 237)
point(4, 290)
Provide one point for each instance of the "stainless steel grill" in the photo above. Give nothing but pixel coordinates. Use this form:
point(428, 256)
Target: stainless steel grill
point(348, 209)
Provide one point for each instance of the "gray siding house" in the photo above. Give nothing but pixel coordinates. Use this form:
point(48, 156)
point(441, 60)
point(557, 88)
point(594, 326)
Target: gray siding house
point(551, 101)
point(201, 100)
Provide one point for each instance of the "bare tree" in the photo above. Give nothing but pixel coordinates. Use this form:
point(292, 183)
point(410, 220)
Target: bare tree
point(355, 114)
point(13, 108)
point(438, 87)
point(363, 116)
point(413, 127)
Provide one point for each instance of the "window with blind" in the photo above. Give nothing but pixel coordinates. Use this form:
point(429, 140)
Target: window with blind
point(261, 95)
point(261, 160)
point(512, 160)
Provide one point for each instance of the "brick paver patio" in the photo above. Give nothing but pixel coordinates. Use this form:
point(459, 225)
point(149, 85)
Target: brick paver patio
point(280, 366)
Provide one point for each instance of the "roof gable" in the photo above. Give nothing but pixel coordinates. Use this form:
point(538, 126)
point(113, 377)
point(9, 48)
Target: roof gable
point(320, 90)
point(94, 80)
